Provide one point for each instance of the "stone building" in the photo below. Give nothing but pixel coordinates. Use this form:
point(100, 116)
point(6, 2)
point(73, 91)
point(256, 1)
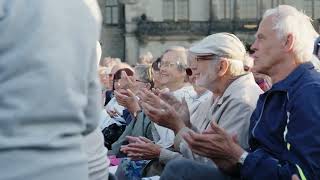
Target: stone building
point(134, 27)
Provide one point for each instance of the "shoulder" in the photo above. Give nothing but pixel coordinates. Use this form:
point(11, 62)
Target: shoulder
point(247, 95)
point(308, 85)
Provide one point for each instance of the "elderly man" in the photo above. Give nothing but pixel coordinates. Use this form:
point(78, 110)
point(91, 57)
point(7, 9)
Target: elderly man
point(284, 128)
point(219, 68)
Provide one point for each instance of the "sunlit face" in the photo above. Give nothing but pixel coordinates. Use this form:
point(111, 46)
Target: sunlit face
point(267, 47)
point(204, 69)
point(192, 63)
point(169, 72)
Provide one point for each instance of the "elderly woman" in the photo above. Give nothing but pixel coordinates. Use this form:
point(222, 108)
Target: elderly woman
point(114, 122)
point(174, 78)
point(142, 79)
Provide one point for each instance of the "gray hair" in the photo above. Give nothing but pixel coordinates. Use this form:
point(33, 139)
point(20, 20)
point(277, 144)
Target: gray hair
point(236, 67)
point(288, 20)
point(182, 56)
point(143, 72)
point(146, 58)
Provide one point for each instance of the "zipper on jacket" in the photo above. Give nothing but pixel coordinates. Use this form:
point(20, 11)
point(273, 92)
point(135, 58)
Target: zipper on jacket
point(255, 126)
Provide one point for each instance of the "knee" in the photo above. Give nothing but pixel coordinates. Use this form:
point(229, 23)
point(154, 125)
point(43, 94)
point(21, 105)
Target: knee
point(174, 169)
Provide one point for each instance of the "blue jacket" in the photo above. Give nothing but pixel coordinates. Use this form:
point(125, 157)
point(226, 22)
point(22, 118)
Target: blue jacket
point(285, 129)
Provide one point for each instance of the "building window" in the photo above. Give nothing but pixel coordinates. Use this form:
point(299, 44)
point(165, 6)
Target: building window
point(175, 10)
point(112, 12)
point(248, 9)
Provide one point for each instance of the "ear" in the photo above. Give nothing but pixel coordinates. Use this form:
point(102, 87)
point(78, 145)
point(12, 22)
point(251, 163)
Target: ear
point(223, 67)
point(288, 46)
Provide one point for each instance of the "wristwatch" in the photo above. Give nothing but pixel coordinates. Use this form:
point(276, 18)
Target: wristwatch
point(243, 157)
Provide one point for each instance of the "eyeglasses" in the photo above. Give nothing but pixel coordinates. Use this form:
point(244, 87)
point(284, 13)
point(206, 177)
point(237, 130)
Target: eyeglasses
point(207, 57)
point(168, 64)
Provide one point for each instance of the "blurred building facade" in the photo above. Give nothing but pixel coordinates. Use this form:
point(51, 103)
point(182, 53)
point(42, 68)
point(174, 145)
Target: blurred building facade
point(134, 27)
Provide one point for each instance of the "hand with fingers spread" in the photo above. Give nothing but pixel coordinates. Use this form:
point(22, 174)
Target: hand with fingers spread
point(180, 106)
point(167, 111)
point(217, 145)
point(129, 81)
point(150, 98)
point(159, 91)
point(141, 148)
point(127, 99)
point(165, 116)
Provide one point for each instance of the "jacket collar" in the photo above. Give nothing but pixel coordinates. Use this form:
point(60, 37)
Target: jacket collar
point(237, 84)
point(291, 79)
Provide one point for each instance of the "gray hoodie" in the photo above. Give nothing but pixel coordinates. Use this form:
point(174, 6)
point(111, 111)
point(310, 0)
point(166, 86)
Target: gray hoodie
point(49, 95)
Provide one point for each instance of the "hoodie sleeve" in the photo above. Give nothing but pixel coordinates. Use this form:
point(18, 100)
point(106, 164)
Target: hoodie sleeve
point(93, 107)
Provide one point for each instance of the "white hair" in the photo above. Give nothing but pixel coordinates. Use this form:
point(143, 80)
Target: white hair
point(288, 20)
point(236, 67)
point(248, 61)
point(182, 54)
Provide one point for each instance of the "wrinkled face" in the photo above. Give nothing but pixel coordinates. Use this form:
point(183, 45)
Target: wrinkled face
point(192, 63)
point(206, 72)
point(169, 72)
point(267, 47)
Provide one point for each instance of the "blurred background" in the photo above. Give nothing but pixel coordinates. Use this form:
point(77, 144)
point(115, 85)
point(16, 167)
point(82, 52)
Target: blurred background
point(132, 28)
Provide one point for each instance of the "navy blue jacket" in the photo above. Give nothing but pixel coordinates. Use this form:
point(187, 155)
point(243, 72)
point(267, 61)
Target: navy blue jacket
point(285, 129)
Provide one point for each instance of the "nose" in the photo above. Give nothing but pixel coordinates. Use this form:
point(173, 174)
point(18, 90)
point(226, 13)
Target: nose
point(162, 69)
point(254, 46)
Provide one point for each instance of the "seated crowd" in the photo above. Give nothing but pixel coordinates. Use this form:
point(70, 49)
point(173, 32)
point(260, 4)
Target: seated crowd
point(214, 111)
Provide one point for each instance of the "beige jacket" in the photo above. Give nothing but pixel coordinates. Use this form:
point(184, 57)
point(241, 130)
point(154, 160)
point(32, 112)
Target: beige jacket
point(231, 111)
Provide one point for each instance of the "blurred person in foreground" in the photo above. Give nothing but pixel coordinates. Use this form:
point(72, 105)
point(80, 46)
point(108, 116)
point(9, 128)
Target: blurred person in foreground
point(49, 88)
point(94, 146)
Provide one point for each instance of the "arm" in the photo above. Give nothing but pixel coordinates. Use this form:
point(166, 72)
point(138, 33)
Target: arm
point(127, 132)
point(166, 155)
point(235, 119)
point(93, 107)
point(181, 146)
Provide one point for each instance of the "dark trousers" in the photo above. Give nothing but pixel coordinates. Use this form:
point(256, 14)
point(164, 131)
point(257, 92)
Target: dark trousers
point(184, 169)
